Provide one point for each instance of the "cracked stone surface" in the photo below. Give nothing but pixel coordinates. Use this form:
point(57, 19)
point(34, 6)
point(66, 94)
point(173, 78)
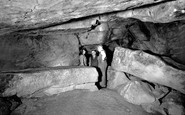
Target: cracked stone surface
point(25, 14)
point(148, 67)
point(25, 83)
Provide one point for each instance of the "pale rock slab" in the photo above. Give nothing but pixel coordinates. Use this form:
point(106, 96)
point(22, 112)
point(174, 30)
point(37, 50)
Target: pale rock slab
point(27, 82)
point(148, 67)
point(57, 89)
point(116, 78)
point(135, 93)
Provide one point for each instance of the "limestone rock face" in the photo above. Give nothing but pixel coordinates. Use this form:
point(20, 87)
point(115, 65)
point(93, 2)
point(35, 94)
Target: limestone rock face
point(22, 51)
point(28, 82)
point(165, 39)
point(37, 13)
point(165, 12)
point(23, 14)
point(148, 67)
point(134, 93)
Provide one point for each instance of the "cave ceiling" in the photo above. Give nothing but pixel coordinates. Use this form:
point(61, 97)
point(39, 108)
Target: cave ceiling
point(16, 15)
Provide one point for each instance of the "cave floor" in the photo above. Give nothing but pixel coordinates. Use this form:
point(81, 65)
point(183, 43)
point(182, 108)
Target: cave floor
point(83, 102)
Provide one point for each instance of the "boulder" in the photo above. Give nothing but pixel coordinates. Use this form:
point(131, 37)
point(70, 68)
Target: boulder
point(135, 93)
point(116, 78)
point(24, 83)
point(148, 67)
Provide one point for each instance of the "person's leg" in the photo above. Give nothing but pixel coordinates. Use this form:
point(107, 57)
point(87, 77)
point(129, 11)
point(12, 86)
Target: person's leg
point(103, 68)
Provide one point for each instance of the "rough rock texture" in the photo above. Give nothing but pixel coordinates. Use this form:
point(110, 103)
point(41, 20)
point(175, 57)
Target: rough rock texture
point(92, 37)
point(25, 83)
point(42, 12)
point(171, 104)
point(38, 13)
point(80, 102)
point(174, 103)
point(8, 104)
point(164, 39)
point(22, 51)
point(116, 78)
point(135, 93)
point(56, 89)
point(148, 67)
point(165, 12)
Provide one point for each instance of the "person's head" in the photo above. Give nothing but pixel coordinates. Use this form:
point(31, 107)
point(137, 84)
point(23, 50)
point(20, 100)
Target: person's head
point(83, 51)
point(99, 48)
point(93, 53)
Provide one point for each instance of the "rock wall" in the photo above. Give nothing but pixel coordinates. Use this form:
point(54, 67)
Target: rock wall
point(22, 51)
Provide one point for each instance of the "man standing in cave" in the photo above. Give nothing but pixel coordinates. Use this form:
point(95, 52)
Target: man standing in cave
point(102, 64)
point(83, 59)
point(93, 61)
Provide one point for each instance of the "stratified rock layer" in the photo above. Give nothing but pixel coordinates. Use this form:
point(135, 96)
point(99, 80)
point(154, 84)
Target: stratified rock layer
point(24, 13)
point(28, 82)
point(148, 67)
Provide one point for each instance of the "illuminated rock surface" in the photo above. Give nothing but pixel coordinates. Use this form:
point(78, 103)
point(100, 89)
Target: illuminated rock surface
point(28, 82)
point(148, 67)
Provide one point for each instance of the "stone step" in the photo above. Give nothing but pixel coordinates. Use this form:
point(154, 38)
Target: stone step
point(148, 67)
point(24, 83)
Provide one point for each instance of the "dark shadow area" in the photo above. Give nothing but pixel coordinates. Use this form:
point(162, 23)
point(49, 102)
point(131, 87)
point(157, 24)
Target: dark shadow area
point(99, 77)
point(9, 104)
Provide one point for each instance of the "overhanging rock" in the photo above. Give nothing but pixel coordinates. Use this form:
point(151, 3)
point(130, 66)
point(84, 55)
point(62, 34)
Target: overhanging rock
point(24, 83)
point(38, 13)
point(148, 67)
